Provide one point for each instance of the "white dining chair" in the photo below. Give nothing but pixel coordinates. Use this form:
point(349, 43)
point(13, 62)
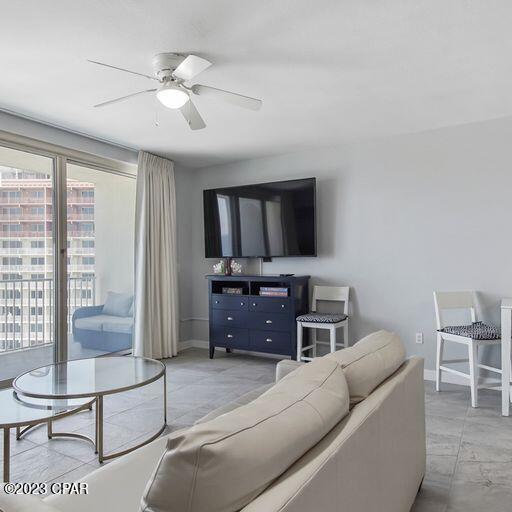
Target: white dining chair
point(329, 321)
point(473, 336)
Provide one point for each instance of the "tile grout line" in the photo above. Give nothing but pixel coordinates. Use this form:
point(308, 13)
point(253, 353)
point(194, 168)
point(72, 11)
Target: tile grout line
point(457, 457)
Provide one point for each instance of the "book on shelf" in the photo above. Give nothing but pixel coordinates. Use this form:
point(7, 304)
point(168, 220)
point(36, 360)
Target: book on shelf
point(264, 293)
point(232, 291)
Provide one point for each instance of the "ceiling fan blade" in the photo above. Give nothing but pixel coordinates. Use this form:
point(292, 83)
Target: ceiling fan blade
point(231, 97)
point(190, 67)
point(122, 69)
point(122, 98)
point(192, 116)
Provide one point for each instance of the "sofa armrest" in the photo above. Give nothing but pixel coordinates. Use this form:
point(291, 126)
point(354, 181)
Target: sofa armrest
point(24, 503)
point(86, 311)
point(285, 367)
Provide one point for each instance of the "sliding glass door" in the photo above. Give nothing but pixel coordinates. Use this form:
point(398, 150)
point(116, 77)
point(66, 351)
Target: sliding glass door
point(100, 261)
point(27, 280)
point(53, 309)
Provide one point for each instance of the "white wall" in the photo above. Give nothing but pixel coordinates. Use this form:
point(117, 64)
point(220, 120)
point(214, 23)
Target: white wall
point(60, 137)
point(397, 219)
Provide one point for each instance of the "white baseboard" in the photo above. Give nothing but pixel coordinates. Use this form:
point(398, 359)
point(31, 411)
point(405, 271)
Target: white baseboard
point(429, 375)
point(193, 343)
point(183, 345)
point(450, 378)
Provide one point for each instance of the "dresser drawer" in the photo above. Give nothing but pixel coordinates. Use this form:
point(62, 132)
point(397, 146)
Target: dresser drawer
point(239, 302)
point(269, 321)
point(230, 337)
point(270, 304)
point(230, 318)
point(270, 341)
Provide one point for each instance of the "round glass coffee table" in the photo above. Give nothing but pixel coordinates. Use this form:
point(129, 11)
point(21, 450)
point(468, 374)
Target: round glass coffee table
point(18, 413)
point(94, 378)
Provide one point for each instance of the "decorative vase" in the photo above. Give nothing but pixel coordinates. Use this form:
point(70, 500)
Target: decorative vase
point(227, 267)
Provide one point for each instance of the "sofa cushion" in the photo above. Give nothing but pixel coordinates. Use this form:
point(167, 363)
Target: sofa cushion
point(23, 503)
point(230, 406)
point(118, 324)
point(369, 362)
point(92, 323)
point(118, 304)
point(221, 465)
point(285, 367)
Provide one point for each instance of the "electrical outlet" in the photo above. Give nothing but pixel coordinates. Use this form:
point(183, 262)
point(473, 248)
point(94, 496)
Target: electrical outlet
point(419, 338)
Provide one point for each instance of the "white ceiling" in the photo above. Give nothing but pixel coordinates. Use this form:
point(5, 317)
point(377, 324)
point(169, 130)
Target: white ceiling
point(327, 70)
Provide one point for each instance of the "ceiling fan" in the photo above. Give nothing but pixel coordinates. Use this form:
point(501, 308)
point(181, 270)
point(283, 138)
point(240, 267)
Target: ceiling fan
point(172, 71)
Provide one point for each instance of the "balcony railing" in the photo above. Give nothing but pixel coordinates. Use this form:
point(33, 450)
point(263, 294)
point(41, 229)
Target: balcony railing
point(27, 308)
point(26, 199)
point(80, 216)
point(80, 200)
point(25, 233)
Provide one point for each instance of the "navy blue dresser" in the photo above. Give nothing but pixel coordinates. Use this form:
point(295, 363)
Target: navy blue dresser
point(250, 321)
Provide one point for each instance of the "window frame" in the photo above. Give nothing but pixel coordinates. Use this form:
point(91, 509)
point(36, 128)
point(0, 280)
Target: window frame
point(61, 157)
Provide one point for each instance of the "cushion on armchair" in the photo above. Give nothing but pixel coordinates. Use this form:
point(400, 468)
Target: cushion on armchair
point(118, 304)
point(118, 324)
point(92, 323)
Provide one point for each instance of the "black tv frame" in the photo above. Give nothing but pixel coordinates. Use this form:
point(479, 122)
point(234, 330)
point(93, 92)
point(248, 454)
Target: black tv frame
point(267, 257)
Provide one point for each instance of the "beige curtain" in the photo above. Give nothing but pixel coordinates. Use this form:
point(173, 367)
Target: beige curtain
point(156, 276)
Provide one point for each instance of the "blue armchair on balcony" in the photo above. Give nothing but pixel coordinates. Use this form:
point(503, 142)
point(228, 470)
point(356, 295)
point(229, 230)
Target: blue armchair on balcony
point(108, 327)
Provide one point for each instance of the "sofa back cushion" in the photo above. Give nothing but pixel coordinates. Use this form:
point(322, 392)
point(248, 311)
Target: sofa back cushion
point(223, 464)
point(369, 362)
point(118, 304)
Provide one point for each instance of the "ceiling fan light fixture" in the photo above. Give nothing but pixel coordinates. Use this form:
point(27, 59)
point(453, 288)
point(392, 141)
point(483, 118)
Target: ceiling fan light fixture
point(171, 95)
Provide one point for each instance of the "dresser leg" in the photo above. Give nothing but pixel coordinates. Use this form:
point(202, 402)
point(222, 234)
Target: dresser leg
point(212, 351)
point(228, 351)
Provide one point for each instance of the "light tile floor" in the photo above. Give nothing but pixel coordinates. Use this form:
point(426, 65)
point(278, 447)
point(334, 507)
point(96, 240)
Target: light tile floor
point(469, 451)
point(195, 386)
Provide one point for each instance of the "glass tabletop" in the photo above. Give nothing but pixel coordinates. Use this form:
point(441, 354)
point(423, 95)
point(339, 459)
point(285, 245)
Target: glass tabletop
point(88, 377)
point(16, 412)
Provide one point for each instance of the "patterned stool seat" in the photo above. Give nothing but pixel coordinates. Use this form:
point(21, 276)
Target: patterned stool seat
point(322, 318)
point(476, 331)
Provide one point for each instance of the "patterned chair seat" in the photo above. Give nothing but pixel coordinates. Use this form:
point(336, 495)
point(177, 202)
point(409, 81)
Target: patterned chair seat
point(475, 331)
point(322, 318)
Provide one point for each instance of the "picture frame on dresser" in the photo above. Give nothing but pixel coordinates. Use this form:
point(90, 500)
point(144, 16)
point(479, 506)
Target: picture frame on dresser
point(255, 320)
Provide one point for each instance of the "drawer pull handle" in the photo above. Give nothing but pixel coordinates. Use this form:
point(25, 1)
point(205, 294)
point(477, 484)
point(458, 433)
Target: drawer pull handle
point(242, 303)
point(254, 304)
point(268, 321)
point(229, 318)
point(229, 336)
point(269, 340)
point(216, 302)
point(283, 305)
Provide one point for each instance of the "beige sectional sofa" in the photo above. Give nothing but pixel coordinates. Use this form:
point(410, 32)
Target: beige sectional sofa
point(345, 433)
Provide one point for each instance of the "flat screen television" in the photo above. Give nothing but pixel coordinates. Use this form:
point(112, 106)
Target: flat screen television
point(263, 220)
